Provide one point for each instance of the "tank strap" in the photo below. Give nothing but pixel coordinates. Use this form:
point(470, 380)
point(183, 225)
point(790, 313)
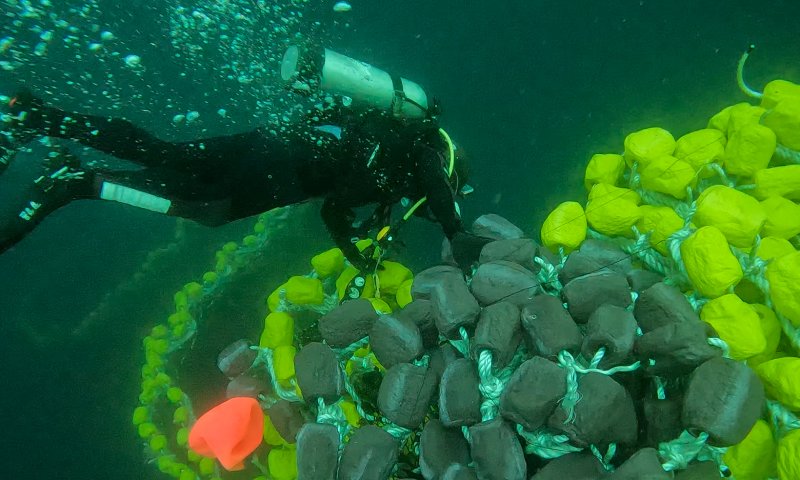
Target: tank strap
point(399, 96)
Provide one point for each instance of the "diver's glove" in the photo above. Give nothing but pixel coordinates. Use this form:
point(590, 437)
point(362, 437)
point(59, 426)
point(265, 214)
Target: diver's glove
point(467, 249)
point(364, 261)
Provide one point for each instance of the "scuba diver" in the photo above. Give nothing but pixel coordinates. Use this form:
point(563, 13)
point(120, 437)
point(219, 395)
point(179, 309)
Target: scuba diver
point(391, 151)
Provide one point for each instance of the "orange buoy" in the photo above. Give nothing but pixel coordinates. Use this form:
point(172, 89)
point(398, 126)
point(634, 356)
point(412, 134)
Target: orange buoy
point(229, 432)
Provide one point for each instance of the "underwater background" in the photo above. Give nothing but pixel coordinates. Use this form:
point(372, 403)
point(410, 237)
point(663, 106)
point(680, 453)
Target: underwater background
point(530, 89)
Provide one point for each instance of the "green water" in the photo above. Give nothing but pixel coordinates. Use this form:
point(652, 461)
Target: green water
point(530, 88)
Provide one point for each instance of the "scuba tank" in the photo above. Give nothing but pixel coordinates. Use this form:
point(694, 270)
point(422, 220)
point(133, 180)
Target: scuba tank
point(310, 70)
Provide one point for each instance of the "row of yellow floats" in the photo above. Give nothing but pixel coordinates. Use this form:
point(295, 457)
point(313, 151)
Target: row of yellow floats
point(732, 247)
point(160, 400)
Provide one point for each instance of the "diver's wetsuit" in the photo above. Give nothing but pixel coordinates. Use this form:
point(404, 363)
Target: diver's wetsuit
point(373, 158)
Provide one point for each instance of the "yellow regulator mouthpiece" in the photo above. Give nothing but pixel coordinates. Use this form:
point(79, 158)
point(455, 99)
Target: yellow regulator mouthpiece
point(383, 232)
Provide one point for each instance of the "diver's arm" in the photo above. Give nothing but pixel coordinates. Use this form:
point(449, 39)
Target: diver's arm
point(338, 217)
point(114, 136)
point(437, 188)
point(125, 140)
point(466, 247)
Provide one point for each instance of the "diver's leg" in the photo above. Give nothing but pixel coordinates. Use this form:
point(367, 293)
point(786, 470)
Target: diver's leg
point(122, 139)
point(32, 187)
point(165, 191)
point(29, 117)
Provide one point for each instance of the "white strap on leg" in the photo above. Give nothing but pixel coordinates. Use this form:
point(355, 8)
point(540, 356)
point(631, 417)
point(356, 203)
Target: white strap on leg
point(133, 197)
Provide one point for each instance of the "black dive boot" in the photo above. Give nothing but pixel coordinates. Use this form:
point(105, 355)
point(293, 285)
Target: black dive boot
point(35, 185)
point(7, 151)
point(22, 120)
